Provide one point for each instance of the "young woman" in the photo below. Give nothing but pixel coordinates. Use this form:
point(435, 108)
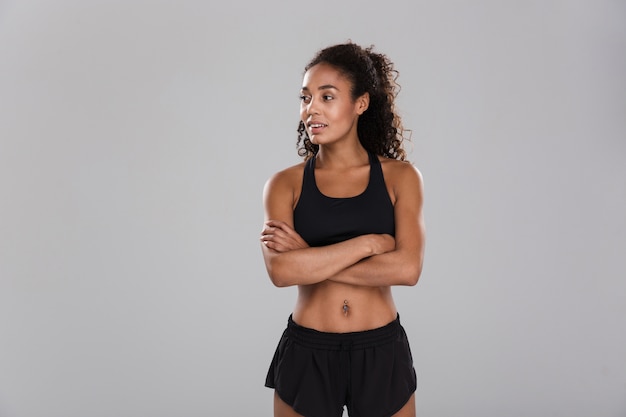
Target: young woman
point(344, 226)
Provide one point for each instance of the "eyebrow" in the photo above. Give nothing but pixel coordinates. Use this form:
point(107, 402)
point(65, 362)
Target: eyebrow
point(322, 87)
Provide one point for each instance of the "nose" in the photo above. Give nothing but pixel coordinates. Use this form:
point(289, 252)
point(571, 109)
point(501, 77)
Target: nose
point(311, 107)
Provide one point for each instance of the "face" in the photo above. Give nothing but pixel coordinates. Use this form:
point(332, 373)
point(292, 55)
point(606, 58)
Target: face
point(326, 105)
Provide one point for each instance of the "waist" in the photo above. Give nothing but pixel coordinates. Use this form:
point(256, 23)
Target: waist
point(341, 308)
point(341, 341)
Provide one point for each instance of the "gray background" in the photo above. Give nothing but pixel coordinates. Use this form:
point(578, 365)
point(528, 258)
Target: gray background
point(135, 139)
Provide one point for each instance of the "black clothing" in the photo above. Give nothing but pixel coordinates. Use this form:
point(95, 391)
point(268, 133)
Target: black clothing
point(323, 220)
point(317, 373)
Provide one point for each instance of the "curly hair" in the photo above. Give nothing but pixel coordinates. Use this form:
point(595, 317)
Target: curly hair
point(379, 128)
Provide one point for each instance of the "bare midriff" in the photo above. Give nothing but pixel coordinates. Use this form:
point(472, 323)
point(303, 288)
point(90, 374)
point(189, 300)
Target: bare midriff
point(341, 308)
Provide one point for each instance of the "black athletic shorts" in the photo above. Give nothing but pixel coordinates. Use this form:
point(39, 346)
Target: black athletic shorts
point(317, 373)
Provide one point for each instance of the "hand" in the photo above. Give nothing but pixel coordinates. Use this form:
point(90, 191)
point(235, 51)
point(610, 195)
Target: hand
point(279, 236)
point(383, 243)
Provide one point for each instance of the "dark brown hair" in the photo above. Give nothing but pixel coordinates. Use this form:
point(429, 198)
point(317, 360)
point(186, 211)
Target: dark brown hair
point(379, 127)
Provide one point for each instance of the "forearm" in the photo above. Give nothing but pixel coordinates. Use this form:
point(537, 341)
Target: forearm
point(315, 264)
point(392, 268)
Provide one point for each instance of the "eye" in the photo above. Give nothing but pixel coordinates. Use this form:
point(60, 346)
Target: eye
point(327, 97)
point(305, 99)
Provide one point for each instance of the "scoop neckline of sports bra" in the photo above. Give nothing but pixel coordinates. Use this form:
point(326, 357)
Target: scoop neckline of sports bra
point(369, 181)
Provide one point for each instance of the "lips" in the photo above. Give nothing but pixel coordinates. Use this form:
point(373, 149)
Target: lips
point(316, 127)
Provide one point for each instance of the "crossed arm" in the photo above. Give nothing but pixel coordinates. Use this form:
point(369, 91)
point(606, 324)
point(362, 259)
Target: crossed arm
point(369, 260)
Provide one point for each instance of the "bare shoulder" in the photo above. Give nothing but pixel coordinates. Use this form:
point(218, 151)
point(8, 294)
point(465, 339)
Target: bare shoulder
point(286, 177)
point(401, 175)
point(285, 184)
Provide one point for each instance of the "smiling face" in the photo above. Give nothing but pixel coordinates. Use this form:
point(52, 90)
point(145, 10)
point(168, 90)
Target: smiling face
point(327, 108)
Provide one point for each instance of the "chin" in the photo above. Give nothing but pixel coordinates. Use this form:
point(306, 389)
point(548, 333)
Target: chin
point(321, 140)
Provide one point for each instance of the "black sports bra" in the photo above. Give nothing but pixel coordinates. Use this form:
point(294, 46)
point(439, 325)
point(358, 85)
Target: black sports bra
point(323, 220)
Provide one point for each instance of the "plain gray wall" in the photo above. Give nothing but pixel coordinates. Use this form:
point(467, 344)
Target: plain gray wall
point(135, 139)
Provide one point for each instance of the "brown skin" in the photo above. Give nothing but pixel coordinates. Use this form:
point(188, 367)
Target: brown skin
point(282, 409)
point(360, 270)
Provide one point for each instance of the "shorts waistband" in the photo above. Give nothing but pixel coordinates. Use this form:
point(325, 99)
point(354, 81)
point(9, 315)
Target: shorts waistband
point(343, 341)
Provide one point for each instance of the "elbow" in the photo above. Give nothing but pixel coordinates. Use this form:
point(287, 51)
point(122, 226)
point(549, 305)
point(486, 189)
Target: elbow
point(412, 280)
point(279, 281)
point(273, 267)
point(277, 275)
point(412, 275)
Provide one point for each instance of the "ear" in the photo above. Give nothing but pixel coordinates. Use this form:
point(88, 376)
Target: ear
point(362, 103)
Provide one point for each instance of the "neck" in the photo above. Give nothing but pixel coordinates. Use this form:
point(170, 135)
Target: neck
point(341, 156)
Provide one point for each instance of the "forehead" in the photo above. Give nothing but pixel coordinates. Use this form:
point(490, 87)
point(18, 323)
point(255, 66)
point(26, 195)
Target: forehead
point(325, 74)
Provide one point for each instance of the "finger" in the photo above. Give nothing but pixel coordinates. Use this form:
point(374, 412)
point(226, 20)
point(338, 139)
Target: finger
point(282, 243)
point(279, 225)
point(275, 246)
point(274, 230)
point(275, 239)
point(275, 223)
point(284, 235)
point(265, 238)
point(291, 236)
point(268, 230)
point(275, 234)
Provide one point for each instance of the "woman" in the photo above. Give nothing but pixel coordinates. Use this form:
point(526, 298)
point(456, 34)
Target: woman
point(344, 226)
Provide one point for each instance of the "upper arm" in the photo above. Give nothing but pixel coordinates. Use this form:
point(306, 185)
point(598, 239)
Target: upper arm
point(279, 195)
point(409, 218)
point(279, 198)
